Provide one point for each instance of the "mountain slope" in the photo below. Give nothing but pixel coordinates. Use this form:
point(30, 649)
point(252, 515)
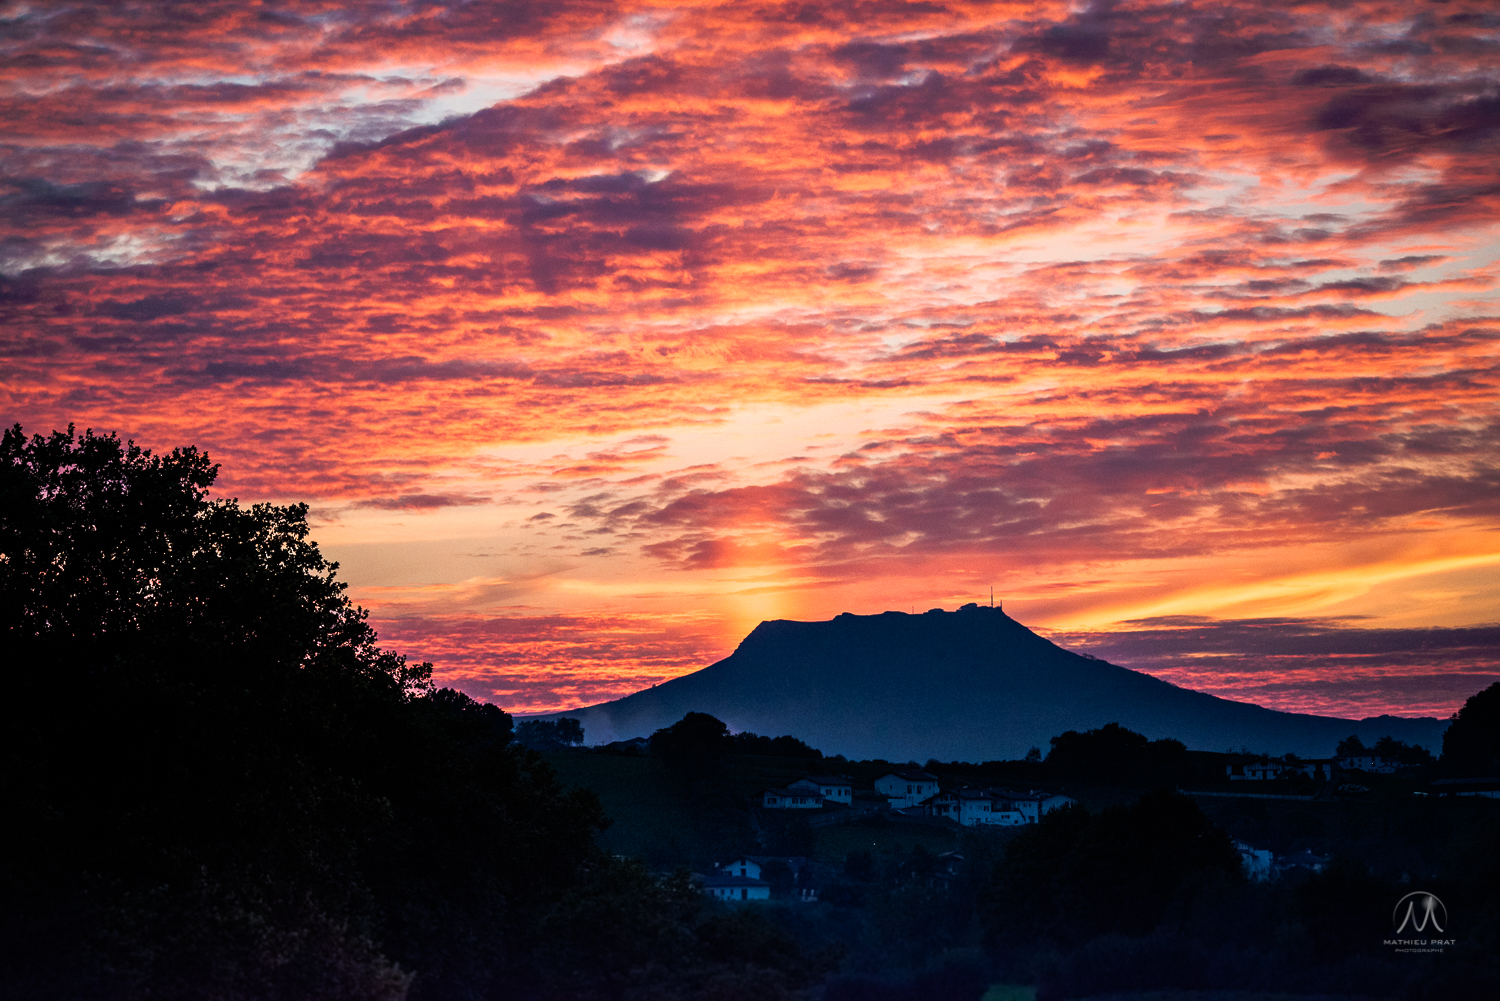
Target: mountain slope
point(967, 685)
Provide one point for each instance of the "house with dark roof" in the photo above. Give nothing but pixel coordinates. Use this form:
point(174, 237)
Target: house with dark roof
point(799, 795)
point(834, 788)
point(944, 804)
point(1034, 805)
point(1370, 764)
point(906, 788)
point(723, 886)
point(742, 866)
point(986, 807)
point(804, 880)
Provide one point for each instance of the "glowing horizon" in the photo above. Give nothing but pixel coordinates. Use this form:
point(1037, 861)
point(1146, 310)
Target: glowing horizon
point(596, 333)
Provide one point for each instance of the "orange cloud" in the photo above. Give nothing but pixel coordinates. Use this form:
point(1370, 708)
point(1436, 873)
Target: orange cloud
point(828, 303)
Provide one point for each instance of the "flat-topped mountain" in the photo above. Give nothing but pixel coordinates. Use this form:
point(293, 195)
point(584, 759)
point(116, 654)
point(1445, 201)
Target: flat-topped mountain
point(970, 685)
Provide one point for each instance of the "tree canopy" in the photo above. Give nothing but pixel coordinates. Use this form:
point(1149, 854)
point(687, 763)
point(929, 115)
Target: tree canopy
point(1471, 744)
point(549, 735)
point(1115, 752)
point(220, 784)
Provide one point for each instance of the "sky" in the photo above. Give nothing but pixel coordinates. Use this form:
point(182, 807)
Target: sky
point(596, 333)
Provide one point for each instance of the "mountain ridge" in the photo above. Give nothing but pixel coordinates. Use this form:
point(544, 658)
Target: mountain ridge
point(972, 684)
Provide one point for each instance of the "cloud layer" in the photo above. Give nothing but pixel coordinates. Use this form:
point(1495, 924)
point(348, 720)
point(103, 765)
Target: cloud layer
point(735, 310)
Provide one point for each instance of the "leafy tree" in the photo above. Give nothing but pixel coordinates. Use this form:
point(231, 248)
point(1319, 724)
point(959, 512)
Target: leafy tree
point(746, 742)
point(1350, 745)
point(1401, 752)
point(694, 743)
point(220, 785)
point(1076, 875)
point(549, 735)
point(1114, 753)
point(1471, 744)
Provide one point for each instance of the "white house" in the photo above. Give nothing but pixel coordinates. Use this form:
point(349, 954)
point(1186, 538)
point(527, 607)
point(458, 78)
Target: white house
point(944, 804)
point(725, 887)
point(981, 806)
point(1034, 805)
point(800, 795)
point(905, 789)
point(833, 788)
point(1054, 801)
point(742, 866)
point(1371, 764)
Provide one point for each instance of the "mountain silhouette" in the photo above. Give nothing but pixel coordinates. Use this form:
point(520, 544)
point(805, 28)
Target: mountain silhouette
point(970, 685)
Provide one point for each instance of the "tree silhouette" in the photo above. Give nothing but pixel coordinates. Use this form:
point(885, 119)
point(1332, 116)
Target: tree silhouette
point(1471, 744)
point(218, 782)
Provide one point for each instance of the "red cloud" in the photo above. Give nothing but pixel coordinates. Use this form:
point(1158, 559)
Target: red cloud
point(1160, 278)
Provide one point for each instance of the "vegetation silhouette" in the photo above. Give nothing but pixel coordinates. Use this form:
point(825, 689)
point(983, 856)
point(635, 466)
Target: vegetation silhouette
point(1471, 744)
point(219, 786)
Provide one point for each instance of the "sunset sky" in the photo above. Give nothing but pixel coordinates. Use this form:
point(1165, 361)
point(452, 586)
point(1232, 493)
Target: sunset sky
point(596, 333)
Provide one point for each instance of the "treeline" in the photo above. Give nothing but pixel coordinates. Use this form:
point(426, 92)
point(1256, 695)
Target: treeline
point(218, 786)
point(698, 741)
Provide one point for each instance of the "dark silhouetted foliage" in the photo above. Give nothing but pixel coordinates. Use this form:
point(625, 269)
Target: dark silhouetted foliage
point(218, 786)
point(697, 742)
point(1350, 745)
point(1076, 875)
point(694, 743)
point(780, 747)
point(549, 735)
point(1471, 744)
point(1401, 752)
point(1114, 754)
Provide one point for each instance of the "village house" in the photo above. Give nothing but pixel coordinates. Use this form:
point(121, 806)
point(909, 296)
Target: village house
point(944, 804)
point(753, 867)
point(984, 806)
point(869, 801)
point(834, 788)
point(1001, 807)
point(742, 866)
point(722, 886)
point(799, 795)
point(906, 788)
point(1034, 805)
point(1370, 764)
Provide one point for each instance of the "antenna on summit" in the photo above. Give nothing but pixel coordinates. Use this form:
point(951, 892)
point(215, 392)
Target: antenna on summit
point(992, 596)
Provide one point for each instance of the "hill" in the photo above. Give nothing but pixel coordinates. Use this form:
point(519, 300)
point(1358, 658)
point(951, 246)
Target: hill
point(970, 685)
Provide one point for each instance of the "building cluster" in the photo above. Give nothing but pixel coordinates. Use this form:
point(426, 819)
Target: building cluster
point(1259, 767)
point(916, 793)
